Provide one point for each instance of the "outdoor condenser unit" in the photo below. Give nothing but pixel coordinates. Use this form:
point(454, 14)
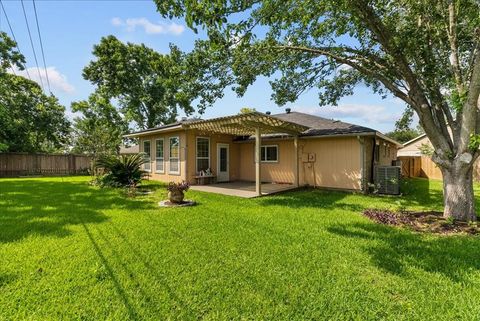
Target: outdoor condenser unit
point(387, 179)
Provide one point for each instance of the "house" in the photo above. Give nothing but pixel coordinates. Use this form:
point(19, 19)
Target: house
point(415, 163)
point(295, 149)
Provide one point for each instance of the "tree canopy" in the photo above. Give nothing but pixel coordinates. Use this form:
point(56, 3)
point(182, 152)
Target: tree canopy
point(30, 121)
point(100, 128)
point(150, 87)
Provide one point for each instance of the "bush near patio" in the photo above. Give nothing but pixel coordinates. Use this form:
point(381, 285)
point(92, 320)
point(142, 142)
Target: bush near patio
point(73, 251)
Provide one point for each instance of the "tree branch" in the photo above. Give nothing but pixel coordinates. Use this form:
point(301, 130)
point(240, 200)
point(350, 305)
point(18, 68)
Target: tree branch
point(452, 38)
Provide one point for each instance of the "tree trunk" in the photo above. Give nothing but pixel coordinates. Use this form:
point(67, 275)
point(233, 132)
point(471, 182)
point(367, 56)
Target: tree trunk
point(458, 195)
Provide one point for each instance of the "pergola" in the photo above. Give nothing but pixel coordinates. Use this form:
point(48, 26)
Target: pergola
point(253, 124)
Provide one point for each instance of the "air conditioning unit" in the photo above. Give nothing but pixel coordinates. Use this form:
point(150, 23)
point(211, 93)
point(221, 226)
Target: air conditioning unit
point(387, 179)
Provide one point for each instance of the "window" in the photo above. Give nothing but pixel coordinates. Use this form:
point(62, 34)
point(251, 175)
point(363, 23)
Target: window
point(269, 153)
point(174, 155)
point(377, 153)
point(203, 153)
point(159, 159)
point(146, 150)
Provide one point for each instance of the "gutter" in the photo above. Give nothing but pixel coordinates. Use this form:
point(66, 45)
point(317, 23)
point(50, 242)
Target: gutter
point(153, 131)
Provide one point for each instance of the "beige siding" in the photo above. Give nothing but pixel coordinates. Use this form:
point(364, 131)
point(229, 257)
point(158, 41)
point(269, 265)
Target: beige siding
point(166, 176)
point(278, 172)
point(337, 162)
point(414, 147)
point(388, 152)
point(188, 155)
point(215, 139)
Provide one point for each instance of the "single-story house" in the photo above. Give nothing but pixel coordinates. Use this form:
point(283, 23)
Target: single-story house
point(417, 164)
point(291, 148)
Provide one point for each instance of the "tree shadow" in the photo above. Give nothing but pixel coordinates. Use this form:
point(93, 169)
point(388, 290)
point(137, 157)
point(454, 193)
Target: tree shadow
point(395, 250)
point(38, 207)
point(310, 198)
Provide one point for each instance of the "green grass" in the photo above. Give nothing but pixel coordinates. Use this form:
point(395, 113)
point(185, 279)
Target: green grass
point(72, 251)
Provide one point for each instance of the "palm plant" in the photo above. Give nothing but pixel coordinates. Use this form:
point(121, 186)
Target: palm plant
point(121, 171)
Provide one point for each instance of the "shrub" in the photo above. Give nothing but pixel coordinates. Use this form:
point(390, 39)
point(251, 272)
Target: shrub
point(123, 171)
point(178, 187)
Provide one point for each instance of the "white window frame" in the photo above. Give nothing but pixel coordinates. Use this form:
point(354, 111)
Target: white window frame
point(149, 169)
point(263, 150)
point(196, 153)
point(170, 155)
point(160, 159)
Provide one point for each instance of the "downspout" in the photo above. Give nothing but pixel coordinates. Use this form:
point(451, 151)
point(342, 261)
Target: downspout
point(186, 155)
point(362, 163)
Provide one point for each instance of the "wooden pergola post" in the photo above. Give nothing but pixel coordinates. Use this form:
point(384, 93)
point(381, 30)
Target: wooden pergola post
point(295, 161)
point(258, 161)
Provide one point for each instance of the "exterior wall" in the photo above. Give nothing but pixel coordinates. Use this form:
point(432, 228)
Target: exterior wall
point(215, 139)
point(278, 172)
point(387, 152)
point(166, 176)
point(188, 155)
point(413, 149)
point(336, 162)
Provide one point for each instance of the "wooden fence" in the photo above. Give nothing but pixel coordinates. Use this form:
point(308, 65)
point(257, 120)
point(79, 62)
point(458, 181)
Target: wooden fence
point(423, 166)
point(23, 164)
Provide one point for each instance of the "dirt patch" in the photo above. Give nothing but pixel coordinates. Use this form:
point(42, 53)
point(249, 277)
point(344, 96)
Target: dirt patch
point(430, 222)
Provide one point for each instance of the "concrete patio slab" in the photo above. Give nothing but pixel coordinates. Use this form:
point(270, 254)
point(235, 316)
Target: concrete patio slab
point(242, 189)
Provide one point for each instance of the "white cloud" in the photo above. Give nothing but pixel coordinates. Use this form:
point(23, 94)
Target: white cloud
point(58, 81)
point(371, 114)
point(149, 27)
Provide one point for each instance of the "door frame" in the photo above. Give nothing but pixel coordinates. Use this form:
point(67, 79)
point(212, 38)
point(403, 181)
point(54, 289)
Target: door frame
point(219, 177)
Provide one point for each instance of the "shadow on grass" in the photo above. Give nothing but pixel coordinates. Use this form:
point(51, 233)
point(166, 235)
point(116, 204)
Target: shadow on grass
point(35, 207)
point(395, 251)
point(310, 198)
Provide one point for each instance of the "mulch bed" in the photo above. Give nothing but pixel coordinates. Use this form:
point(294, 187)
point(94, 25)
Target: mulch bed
point(430, 222)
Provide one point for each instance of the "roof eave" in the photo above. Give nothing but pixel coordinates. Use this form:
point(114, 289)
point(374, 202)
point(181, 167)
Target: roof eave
point(153, 131)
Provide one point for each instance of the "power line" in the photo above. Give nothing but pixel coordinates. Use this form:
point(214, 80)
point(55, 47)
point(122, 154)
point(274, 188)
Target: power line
point(41, 46)
point(14, 38)
point(33, 47)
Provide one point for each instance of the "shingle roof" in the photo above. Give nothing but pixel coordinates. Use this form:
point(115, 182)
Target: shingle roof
point(320, 126)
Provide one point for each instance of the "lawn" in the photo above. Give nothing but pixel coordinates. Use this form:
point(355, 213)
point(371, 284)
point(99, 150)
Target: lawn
point(72, 251)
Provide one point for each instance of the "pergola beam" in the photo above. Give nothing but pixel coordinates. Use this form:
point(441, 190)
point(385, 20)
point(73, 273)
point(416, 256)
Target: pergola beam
point(258, 161)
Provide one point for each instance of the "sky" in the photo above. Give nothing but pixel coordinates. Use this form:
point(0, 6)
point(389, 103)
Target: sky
point(70, 29)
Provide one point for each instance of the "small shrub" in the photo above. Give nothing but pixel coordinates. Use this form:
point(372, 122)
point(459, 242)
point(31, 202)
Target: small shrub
point(123, 171)
point(178, 187)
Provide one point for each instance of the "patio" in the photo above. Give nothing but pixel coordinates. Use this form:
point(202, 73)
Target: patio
point(243, 189)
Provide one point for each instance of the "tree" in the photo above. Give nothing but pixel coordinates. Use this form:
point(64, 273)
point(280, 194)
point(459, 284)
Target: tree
point(403, 131)
point(30, 121)
point(100, 128)
point(426, 53)
point(246, 110)
point(149, 86)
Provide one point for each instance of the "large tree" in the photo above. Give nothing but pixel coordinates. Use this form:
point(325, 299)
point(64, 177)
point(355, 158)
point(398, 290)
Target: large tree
point(424, 52)
point(30, 121)
point(150, 87)
point(98, 131)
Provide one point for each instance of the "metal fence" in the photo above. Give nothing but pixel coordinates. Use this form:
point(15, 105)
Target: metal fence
point(24, 164)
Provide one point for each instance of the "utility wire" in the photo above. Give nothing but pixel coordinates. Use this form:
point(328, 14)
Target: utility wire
point(33, 47)
point(14, 39)
point(41, 46)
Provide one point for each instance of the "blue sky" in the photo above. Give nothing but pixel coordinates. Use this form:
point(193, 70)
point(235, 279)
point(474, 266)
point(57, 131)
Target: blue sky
point(71, 28)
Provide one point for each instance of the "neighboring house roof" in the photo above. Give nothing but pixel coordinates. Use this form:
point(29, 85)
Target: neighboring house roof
point(135, 149)
point(411, 148)
point(316, 127)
